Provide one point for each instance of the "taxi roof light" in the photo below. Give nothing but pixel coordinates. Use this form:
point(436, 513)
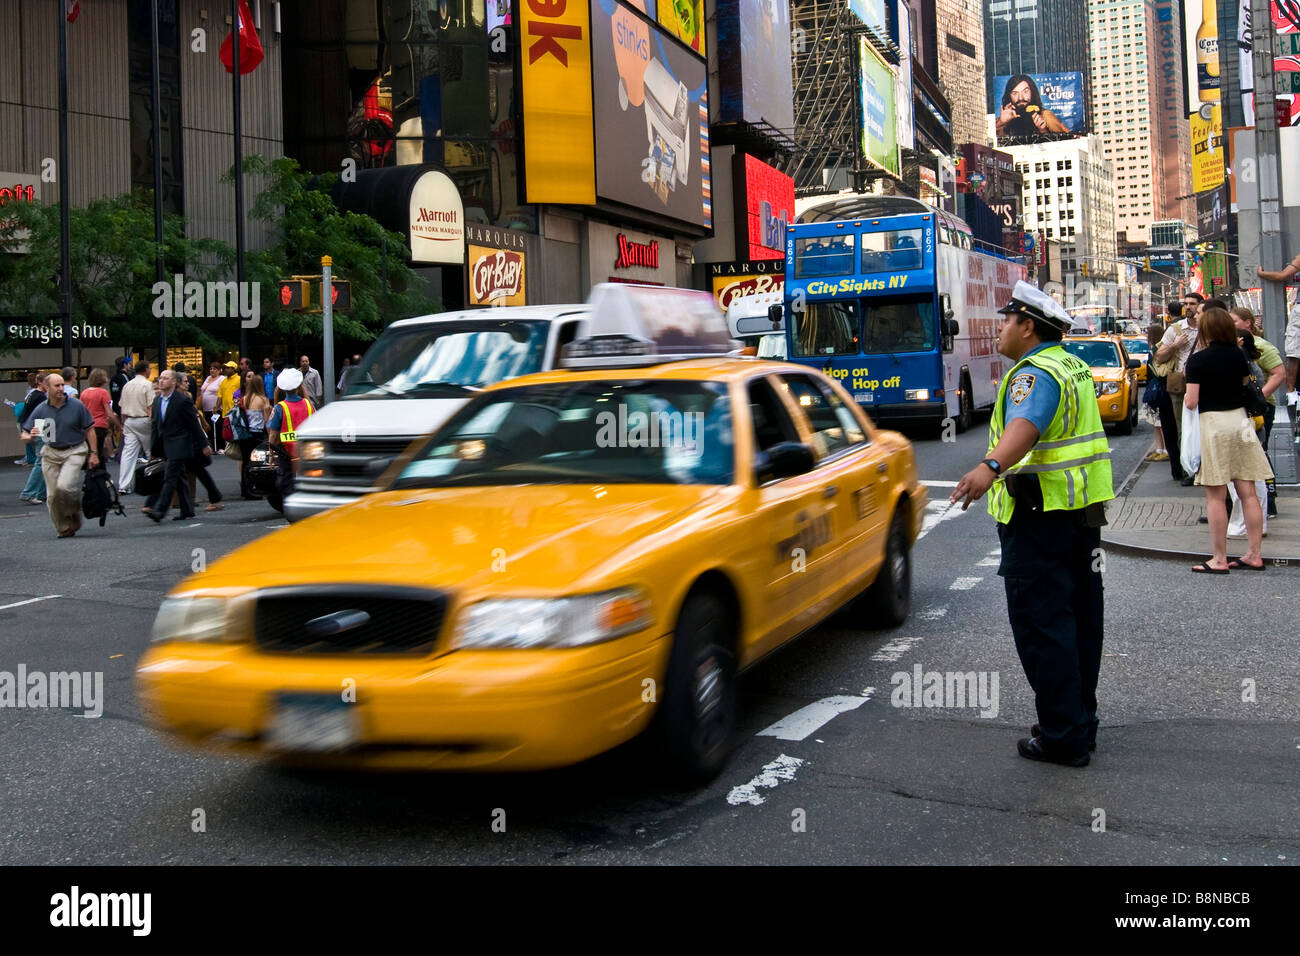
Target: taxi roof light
point(633, 325)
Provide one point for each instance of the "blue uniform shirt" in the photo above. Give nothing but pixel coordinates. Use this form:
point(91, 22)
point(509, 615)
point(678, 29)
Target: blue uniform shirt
point(1032, 394)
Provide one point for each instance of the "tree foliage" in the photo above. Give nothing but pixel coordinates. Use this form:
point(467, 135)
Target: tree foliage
point(113, 268)
point(114, 271)
point(307, 225)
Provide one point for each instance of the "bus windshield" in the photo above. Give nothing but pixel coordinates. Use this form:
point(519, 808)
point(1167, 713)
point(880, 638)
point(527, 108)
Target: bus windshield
point(823, 256)
point(904, 324)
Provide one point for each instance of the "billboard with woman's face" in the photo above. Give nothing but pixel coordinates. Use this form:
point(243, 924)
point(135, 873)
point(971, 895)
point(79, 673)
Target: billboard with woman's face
point(1038, 107)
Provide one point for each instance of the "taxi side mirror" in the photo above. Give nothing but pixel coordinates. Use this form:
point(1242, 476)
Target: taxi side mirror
point(783, 460)
point(1134, 363)
point(776, 314)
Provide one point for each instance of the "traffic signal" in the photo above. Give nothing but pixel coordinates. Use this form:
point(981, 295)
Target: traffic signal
point(1083, 269)
point(295, 295)
point(341, 295)
point(1146, 263)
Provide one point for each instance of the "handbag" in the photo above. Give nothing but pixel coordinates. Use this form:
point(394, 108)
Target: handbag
point(227, 431)
point(232, 451)
point(1252, 397)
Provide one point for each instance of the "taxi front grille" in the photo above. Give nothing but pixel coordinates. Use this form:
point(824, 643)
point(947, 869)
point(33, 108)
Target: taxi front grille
point(352, 621)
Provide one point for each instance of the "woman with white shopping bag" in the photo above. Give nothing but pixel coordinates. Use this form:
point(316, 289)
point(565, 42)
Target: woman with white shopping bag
point(1222, 437)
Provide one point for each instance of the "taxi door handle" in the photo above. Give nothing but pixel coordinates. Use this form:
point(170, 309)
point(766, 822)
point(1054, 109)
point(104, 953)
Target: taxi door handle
point(830, 491)
point(882, 468)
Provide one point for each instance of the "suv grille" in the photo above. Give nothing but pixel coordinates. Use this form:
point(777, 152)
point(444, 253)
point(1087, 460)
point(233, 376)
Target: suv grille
point(359, 621)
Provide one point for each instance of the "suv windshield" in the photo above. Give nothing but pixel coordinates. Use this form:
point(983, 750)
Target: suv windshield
point(1096, 354)
point(643, 432)
point(448, 358)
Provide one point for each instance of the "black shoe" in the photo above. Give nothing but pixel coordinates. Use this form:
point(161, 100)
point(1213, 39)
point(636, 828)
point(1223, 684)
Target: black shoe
point(1036, 731)
point(1032, 748)
point(155, 518)
point(1272, 506)
point(1202, 520)
point(1189, 481)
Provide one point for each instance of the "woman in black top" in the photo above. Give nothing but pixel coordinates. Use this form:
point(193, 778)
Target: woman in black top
point(1230, 451)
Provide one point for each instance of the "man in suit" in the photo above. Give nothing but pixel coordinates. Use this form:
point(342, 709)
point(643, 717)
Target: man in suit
point(176, 435)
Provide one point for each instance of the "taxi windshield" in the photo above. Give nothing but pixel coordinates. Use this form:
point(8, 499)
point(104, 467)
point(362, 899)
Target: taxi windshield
point(601, 432)
point(1096, 354)
point(1138, 346)
point(442, 359)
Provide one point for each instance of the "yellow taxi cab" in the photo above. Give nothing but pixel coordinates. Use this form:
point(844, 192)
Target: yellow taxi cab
point(1114, 377)
point(574, 558)
point(1137, 347)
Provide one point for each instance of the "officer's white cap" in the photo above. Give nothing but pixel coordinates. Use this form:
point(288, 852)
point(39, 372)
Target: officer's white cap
point(289, 379)
point(1033, 301)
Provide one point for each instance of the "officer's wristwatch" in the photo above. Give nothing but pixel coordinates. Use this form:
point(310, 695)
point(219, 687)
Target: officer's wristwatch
point(994, 465)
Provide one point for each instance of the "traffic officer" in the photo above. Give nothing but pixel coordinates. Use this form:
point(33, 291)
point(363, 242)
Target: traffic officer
point(1047, 476)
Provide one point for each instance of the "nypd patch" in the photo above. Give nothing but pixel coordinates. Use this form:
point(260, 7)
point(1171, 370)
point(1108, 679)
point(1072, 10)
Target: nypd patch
point(1021, 386)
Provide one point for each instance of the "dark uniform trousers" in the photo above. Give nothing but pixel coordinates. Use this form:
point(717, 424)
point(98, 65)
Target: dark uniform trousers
point(1051, 564)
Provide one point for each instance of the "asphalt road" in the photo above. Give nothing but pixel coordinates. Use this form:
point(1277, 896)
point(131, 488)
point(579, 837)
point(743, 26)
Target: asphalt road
point(1185, 772)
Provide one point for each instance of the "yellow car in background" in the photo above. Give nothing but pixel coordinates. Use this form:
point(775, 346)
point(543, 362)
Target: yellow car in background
point(1114, 377)
point(1137, 347)
point(576, 557)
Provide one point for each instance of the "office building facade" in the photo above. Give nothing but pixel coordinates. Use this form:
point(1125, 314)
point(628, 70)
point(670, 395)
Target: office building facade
point(1069, 197)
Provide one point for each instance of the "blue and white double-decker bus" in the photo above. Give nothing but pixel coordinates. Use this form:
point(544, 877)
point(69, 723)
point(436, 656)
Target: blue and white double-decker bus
point(890, 296)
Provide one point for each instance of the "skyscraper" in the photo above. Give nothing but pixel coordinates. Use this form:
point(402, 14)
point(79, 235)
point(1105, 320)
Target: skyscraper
point(1033, 36)
point(1128, 91)
point(960, 34)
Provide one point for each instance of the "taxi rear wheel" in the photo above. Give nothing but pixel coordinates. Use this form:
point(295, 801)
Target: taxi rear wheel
point(889, 599)
point(696, 721)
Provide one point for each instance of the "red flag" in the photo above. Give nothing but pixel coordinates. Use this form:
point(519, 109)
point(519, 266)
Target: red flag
point(72, 8)
point(250, 47)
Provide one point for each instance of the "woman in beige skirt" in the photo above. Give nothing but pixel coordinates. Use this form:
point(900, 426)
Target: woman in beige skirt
point(1230, 452)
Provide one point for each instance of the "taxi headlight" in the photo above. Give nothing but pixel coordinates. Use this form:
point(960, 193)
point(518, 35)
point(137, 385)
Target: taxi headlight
point(556, 622)
point(192, 619)
point(1109, 388)
point(259, 456)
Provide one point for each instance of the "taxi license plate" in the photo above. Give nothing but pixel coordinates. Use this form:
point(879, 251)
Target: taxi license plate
point(312, 723)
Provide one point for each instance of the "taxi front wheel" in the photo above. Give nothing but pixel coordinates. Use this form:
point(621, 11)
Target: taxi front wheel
point(696, 721)
point(889, 598)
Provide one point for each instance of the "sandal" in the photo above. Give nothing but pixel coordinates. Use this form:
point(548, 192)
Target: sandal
point(1238, 564)
point(1206, 569)
point(214, 507)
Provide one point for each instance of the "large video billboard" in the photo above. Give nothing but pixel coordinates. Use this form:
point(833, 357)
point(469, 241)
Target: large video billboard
point(754, 76)
point(556, 83)
point(650, 98)
point(1201, 57)
point(879, 123)
point(1038, 107)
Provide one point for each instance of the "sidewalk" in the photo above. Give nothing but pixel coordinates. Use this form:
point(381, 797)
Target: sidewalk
point(1157, 516)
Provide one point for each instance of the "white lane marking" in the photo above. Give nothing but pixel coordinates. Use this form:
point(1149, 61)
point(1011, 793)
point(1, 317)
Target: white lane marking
point(987, 563)
point(964, 584)
point(806, 720)
point(931, 613)
point(939, 484)
point(895, 649)
point(935, 512)
point(47, 597)
point(782, 768)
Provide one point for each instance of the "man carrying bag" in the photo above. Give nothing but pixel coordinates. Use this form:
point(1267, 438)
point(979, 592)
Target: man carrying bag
point(1170, 363)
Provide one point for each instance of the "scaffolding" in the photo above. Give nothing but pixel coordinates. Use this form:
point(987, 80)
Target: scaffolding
point(827, 98)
